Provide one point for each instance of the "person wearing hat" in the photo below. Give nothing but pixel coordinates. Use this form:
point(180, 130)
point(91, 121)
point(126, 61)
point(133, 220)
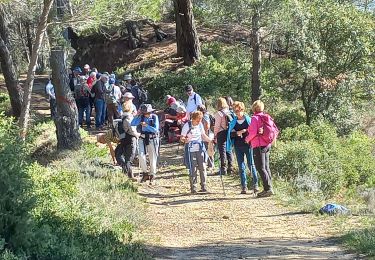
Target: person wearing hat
point(74, 78)
point(126, 150)
point(128, 99)
point(82, 93)
point(170, 115)
point(194, 99)
point(147, 124)
point(86, 70)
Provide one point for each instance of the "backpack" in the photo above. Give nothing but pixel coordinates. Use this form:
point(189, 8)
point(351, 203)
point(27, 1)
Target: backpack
point(270, 130)
point(118, 129)
point(334, 209)
point(212, 122)
point(142, 94)
point(80, 91)
point(110, 95)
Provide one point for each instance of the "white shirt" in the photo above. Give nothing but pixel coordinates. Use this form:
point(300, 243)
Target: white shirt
point(117, 92)
point(50, 90)
point(195, 135)
point(193, 103)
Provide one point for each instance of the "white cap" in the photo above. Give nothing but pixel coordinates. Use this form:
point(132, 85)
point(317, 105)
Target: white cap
point(128, 95)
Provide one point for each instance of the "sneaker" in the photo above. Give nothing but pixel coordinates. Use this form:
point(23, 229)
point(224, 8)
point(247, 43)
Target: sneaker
point(203, 190)
point(194, 192)
point(145, 177)
point(243, 191)
point(230, 171)
point(265, 194)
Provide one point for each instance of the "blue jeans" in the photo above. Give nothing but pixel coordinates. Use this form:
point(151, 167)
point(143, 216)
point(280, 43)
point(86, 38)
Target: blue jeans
point(83, 104)
point(100, 110)
point(240, 154)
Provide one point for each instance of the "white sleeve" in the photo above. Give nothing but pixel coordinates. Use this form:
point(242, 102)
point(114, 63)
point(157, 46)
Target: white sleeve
point(185, 129)
point(199, 100)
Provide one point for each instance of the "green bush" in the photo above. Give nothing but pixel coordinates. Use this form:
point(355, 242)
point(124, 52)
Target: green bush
point(362, 241)
point(15, 186)
point(314, 158)
point(216, 73)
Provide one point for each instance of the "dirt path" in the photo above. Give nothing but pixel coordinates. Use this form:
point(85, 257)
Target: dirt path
point(214, 226)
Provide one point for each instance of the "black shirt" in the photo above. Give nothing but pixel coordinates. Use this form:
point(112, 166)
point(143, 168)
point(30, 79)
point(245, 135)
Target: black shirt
point(240, 141)
point(170, 111)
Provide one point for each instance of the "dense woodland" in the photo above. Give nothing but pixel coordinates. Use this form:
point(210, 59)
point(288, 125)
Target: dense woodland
point(312, 62)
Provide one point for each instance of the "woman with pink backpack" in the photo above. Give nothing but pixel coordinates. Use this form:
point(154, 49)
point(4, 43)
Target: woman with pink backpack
point(262, 132)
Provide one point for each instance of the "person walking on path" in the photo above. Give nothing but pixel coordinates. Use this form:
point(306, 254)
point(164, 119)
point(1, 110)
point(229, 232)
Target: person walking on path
point(193, 136)
point(112, 99)
point(222, 120)
point(100, 107)
point(194, 99)
point(237, 132)
point(261, 146)
point(147, 124)
point(126, 149)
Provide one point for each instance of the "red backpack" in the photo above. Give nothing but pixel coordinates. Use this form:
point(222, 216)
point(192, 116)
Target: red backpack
point(270, 130)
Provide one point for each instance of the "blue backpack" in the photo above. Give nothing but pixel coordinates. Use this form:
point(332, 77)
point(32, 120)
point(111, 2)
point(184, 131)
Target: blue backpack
point(334, 209)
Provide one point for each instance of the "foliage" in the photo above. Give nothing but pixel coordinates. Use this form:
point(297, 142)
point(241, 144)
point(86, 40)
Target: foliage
point(331, 43)
point(315, 159)
point(4, 102)
point(16, 200)
point(215, 74)
point(59, 212)
point(362, 241)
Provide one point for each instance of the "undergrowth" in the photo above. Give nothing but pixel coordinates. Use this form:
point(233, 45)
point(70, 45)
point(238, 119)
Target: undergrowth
point(72, 206)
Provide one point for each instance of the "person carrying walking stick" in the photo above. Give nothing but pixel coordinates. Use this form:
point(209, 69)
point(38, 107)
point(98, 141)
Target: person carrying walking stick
point(195, 155)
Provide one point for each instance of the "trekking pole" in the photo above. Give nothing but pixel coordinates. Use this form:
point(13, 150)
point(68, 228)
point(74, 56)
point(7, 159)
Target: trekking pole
point(221, 175)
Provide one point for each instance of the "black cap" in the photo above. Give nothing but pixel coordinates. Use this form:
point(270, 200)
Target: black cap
point(188, 88)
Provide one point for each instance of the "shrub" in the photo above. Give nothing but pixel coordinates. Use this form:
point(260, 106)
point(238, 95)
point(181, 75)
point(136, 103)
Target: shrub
point(15, 186)
point(314, 156)
point(362, 241)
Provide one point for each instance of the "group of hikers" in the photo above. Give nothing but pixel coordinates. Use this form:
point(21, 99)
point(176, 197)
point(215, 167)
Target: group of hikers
point(138, 128)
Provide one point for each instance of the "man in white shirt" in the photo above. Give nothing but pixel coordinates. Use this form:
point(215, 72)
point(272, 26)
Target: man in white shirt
point(194, 99)
point(50, 90)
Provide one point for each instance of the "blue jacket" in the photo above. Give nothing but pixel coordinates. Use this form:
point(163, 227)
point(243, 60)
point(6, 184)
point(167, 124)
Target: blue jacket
point(231, 127)
point(152, 123)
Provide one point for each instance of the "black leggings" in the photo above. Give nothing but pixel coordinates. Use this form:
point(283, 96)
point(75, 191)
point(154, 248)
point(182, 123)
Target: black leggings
point(224, 155)
point(125, 153)
point(262, 164)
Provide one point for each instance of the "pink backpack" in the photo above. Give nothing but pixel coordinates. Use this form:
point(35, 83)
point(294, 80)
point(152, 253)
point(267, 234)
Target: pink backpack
point(270, 130)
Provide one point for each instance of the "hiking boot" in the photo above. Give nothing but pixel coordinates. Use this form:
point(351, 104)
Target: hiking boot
point(230, 171)
point(203, 190)
point(145, 177)
point(243, 191)
point(265, 194)
point(152, 179)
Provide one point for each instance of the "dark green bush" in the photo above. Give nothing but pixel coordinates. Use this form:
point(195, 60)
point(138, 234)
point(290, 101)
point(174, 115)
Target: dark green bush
point(314, 156)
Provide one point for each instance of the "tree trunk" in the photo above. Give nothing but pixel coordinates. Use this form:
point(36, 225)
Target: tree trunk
point(8, 69)
point(29, 37)
point(42, 26)
point(134, 38)
point(179, 35)
point(189, 42)
point(66, 120)
point(257, 55)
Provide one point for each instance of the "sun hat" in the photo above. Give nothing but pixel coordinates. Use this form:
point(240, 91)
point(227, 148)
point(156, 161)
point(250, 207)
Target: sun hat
point(171, 100)
point(77, 69)
point(146, 108)
point(128, 95)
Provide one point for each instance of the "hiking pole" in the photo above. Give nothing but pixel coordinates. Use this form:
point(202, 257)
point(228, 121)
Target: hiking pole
point(221, 175)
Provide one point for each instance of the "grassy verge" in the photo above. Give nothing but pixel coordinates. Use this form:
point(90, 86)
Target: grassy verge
point(78, 205)
point(362, 241)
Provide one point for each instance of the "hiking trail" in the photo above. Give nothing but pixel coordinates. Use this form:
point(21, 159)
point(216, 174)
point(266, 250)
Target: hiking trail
point(214, 226)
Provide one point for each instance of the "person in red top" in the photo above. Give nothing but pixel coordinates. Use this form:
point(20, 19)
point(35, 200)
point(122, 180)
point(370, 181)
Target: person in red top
point(91, 79)
point(261, 148)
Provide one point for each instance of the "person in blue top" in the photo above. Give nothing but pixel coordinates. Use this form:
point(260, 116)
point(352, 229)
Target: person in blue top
point(147, 124)
point(237, 132)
